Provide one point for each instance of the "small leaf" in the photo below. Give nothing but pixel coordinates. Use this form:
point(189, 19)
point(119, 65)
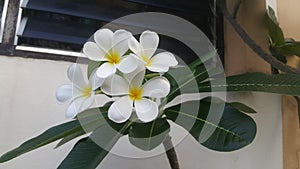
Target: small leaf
point(290, 48)
point(242, 107)
point(272, 15)
point(92, 66)
point(275, 51)
point(275, 32)
point(223, 131)
point(286, 84)
point(148, 136)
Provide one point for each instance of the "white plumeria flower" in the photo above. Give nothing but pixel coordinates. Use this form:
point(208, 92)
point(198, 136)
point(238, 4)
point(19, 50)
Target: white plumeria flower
point(136, 96)
point(110, 48)
point(81, 93)
point(145, 49)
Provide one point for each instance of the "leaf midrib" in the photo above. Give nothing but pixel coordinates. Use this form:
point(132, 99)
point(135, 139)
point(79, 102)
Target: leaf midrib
point(212, 124)
point(243, 84)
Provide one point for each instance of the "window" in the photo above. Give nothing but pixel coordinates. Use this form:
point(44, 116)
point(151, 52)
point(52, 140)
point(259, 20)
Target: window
point(57, 29)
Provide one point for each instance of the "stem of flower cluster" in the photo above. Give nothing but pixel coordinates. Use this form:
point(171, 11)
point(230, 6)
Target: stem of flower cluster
point(171, 153)
point(151, 75)
point(98, 92)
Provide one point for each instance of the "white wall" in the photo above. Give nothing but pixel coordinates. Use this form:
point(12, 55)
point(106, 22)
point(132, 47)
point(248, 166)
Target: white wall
point(28, 107)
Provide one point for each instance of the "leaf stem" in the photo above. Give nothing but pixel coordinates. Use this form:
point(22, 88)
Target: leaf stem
point(171, 153)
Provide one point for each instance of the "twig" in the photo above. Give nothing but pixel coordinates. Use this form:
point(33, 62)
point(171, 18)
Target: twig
point(171, 153)
point(251, 43)
point(236, 9)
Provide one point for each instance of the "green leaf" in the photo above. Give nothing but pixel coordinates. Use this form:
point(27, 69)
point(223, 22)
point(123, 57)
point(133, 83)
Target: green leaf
point(203, 59)
point(89, 152)
point(286, 84)
point(70, 137)
point(148, 136)
point(54, 134)
point(92, 66)
point(275, 32)
point(272, 15)
point(290, 48)
point(184, 80)
point(86, 154)
point(84, 118)
point(275, 51)
point(181, 79)
point(231, 131)
point(49, 136)
point(242, 107)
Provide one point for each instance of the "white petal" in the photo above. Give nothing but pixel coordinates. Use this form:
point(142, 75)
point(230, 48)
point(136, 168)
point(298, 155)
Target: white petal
point(146, 110)
point(130, 76)
point(106, 70)
point(156, 88)
point(120, 111)
point(87, 103)
point(128, 64)
point(95, 81)
point(64, 93)
point(158, 68)
point(115, 85)
point(93, 52)
point(75, 75)
point(162, 61)
point(135, 46)
point(138, 79)
point(103, 38)
point(120, 41)
point(101, 100)
point(164, 58)
point(72, 111)
point(78, 105)
point(149, 41)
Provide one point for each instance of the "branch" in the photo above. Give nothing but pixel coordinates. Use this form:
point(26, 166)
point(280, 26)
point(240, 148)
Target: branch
point(171, 153)
point(251, 43)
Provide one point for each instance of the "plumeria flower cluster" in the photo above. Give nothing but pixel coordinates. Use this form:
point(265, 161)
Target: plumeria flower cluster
point(120, 78)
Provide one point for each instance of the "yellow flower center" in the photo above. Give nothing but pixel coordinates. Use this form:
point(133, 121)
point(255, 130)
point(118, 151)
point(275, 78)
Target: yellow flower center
point(147, 60)
point(113, 57)
point(135, 93)
point(87, 91)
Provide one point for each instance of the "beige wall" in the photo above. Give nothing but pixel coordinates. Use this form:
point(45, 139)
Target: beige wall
point(289, 20)
point(28, 107)
point(239, 57)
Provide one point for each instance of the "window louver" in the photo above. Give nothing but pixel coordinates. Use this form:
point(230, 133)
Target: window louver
point(67, 24)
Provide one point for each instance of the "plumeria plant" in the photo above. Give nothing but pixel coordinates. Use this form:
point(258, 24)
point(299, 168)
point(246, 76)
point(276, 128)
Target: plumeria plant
point(129, 90)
